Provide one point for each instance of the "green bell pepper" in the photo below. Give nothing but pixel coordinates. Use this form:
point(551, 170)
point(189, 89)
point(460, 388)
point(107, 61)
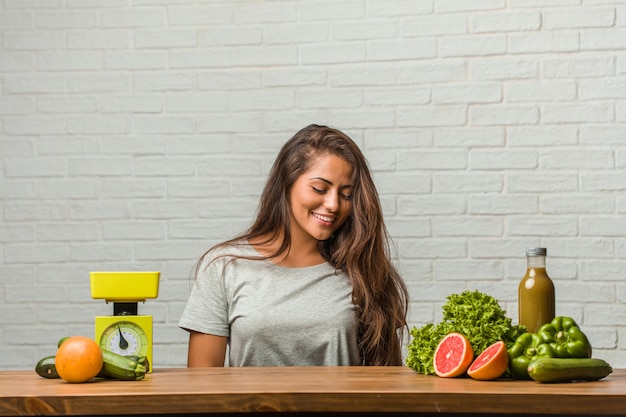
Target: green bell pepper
point(526, 347)
point(566, 338)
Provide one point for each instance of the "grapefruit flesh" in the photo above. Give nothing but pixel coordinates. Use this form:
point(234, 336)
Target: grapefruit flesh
point(491, 363)
point(453, 356)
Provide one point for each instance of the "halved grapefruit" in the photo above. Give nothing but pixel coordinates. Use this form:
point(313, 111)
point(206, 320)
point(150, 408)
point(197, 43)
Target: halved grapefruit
point(453, 356)
point(491, 363)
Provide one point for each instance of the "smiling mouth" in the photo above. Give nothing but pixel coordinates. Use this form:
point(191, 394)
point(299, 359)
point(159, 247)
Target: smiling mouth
point(324, 219)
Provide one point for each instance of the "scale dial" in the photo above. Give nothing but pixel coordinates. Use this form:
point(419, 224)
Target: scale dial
point(125, 338)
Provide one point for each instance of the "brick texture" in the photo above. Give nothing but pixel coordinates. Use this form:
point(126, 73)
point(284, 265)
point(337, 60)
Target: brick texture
point(135, 134)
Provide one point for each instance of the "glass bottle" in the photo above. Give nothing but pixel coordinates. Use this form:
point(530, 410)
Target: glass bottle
point(535, 292)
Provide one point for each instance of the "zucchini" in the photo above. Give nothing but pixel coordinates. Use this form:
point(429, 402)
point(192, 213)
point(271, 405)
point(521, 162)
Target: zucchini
point(125, 368)
point(46, 368)
point(61, 341)
point(141, 360)
point(568, 369)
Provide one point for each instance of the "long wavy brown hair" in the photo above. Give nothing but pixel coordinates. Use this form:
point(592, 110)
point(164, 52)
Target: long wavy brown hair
point(360, 247)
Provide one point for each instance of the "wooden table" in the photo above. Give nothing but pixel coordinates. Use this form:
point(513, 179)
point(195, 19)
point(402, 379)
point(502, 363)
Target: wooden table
point(288, 391)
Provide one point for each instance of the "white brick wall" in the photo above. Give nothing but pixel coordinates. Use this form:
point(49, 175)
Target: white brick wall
point(135, 134)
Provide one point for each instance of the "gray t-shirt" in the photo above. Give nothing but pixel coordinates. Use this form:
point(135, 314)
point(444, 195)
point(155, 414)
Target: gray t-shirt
point(273, 315)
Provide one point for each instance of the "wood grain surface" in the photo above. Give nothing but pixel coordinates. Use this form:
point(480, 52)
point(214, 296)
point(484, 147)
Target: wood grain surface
point(313, 390)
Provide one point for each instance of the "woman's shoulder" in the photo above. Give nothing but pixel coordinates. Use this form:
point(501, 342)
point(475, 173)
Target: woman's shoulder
point(219, 257)
point(229, 250)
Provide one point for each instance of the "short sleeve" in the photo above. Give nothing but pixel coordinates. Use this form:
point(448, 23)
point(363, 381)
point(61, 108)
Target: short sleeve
point(207, 307)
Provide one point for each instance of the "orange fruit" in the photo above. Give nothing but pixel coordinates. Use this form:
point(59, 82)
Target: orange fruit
point(78, 359)
point(491, 363)
point(453, 355)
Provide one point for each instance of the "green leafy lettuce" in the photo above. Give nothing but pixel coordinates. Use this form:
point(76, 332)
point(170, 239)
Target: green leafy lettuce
point(476, 315)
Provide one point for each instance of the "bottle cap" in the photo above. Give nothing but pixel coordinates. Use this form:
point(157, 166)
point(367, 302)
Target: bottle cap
point(536, 252)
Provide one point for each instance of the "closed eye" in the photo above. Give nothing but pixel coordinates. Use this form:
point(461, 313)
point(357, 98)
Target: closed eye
point(342, 195)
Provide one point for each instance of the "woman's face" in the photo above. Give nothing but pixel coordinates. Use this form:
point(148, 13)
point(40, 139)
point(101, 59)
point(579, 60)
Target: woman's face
point(321, 199)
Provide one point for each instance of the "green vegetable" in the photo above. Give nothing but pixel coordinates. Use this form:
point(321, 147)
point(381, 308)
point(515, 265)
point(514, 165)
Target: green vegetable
point(568, 369)
point(422, 348)
point(46, 368)
point(125, 368)
point(476, 315)
point(527, 347)
point(561, 338)
point(566, 338)
point(62, 340)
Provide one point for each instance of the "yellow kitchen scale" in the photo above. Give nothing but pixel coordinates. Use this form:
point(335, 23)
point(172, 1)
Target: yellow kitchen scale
point(125, 332)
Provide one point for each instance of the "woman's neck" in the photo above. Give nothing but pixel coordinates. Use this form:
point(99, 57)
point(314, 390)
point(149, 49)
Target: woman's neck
point(302, 253)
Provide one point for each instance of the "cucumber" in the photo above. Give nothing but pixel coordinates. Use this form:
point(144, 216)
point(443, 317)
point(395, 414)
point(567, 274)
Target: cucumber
point(46, 368)
point(568, 369)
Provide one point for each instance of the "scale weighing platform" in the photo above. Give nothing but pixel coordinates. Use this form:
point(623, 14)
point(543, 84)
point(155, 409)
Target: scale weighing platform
point(125, 332)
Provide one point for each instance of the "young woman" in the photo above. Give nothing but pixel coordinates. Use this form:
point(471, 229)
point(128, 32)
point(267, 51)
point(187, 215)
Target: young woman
point(311, 281)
